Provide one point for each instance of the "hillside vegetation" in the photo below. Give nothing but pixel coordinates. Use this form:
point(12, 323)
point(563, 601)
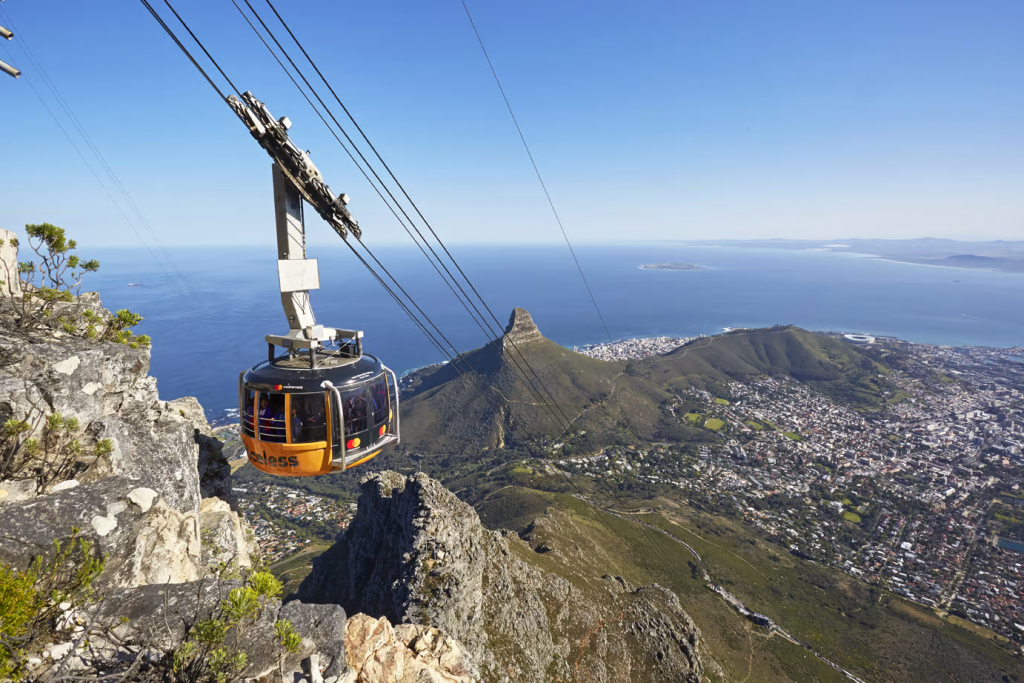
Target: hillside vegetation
point(872, 633)
point(838, 369)
point(616, 402)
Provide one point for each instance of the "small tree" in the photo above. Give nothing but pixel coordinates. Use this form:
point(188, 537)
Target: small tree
point(204, 658)
point(290, 640)
point(55, 278)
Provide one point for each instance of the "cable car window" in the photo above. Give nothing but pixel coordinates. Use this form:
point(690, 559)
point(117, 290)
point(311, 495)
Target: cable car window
point(393, 395)
point(248, 411)
point(271, 418)
point(353, 402)
point(379, 400)
point(308, 418)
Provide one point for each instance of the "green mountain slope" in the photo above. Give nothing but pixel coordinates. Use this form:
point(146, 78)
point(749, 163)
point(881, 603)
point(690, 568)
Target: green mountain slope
point(872, 633)
point(444, 412)
point(835, 367)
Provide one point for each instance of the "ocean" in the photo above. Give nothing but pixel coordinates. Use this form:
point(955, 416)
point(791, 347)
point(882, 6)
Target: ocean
point(207, 332)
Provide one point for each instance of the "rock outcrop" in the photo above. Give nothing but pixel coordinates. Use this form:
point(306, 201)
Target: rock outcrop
point(156, 619)
point(521, 329)
point(107, 388)
point(376, 651)
point(8, 264)
point(225, 539)
point(144, 539)
point(416, 554)
point(139, 503)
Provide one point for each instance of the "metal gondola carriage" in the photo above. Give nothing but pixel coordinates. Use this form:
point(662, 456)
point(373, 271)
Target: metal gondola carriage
point(322, 405)
point(301, 421)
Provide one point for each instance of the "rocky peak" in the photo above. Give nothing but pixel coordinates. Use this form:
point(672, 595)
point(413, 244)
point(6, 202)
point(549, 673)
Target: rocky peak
point(521, 329)
point(416, 554)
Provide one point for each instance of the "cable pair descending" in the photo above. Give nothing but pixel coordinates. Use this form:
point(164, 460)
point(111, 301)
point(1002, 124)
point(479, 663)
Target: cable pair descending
point(519, 363)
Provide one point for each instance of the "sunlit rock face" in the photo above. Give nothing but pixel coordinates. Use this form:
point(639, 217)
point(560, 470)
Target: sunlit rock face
point(416, 554)
point(521, 329)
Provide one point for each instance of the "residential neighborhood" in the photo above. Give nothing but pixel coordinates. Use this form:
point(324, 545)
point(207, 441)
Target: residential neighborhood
point(268, 508)
point(922, 496)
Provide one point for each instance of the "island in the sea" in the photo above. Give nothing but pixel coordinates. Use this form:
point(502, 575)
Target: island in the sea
point(671, 266)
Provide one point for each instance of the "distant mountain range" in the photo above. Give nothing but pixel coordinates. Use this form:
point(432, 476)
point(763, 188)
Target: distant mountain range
point(1001, 255)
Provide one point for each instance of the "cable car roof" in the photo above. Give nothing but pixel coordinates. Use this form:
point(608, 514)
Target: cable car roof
point(294, 374)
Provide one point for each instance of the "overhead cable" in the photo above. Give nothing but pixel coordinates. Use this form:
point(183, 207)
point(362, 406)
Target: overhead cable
point(473, 375)
point(69, 112)
point(536, 170)
point(549, 402)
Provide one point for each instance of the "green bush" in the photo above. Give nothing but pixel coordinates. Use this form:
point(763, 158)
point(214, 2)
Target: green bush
point(30, 600)
point(204, 658)
point(55, 455)
point(55, 277)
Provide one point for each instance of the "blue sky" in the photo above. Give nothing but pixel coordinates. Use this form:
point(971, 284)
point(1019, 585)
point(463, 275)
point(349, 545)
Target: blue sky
point(682, 120)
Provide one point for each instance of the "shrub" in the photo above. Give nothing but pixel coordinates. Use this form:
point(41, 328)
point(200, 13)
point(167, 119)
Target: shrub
point(54, 455)
point(30, 600)
point(54, 278)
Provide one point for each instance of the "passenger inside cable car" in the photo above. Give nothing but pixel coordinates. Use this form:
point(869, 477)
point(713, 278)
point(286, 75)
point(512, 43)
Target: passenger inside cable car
point(272, 424)
point(313, 432)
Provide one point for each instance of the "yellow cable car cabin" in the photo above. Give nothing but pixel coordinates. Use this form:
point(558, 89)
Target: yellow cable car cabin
point(302, 419)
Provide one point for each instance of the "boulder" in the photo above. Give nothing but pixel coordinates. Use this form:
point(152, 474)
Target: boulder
point(376, 651)
point(223, 537)
point(14, 490)
point(161, 616)
point(323, 624)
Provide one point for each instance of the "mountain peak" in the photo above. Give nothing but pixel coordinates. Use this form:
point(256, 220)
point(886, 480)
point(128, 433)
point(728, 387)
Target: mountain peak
point(521, 328)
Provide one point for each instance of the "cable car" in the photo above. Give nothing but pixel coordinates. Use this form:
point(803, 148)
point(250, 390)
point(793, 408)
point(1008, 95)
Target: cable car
point(322, 406)
point(309, 413)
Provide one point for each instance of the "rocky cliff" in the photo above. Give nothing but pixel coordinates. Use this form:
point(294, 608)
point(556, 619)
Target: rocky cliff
point(91, 453)
point(99, 457)
point(416, 554)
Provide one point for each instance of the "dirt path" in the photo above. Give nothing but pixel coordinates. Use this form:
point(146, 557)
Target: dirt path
point(719, 547)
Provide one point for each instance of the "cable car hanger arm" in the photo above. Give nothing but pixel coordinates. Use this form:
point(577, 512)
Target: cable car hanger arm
point(272, 134)
point(297, 178)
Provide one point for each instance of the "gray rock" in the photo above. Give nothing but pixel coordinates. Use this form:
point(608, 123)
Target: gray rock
point(324, 624)
point(385, 564)
point(222, 536)
point(160, 616)
point(153, 546)
point(311, 669)
point(416, 554)
point(12, 491)
point(520, 330)
point(105, 386)
point(213, 466)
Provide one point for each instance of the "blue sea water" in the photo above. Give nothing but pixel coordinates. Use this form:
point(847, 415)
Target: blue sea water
point(205, 334)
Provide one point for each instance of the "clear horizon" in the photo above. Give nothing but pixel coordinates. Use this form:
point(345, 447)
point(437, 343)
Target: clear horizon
point(656, 121)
